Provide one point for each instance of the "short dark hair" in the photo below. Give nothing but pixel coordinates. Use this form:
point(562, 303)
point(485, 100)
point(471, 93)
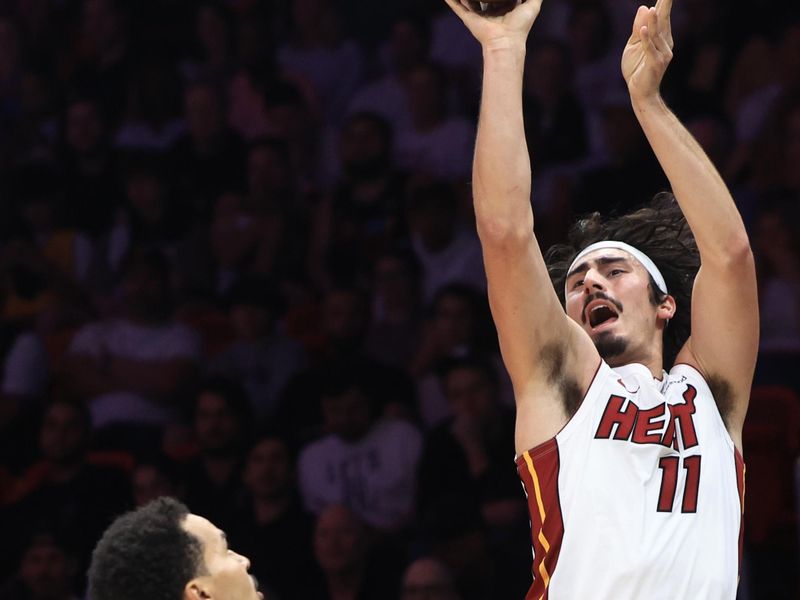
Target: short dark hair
point(146, 554)
point(660, 231)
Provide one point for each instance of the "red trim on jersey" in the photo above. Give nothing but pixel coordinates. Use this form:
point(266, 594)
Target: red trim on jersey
point(740, 475)
point(539, 473)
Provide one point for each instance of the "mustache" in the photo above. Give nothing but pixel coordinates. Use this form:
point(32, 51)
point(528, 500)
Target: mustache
point(600, 296)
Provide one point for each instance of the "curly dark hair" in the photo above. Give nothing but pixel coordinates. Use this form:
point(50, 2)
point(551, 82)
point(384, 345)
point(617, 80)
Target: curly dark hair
point(146, 554)
point(658, 229)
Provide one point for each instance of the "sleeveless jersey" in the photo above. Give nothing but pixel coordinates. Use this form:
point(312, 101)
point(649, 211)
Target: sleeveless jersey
point(639, 496)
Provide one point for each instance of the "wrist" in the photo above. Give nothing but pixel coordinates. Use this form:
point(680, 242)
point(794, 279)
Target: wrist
point(647, 102)
point(504, 47)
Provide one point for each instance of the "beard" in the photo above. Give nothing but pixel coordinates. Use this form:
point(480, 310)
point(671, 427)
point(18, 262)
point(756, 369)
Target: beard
point(610, 346)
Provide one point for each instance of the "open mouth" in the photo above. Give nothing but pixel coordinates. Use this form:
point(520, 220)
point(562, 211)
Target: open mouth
point(600, 314)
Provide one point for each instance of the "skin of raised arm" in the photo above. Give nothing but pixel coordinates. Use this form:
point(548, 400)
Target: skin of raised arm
point(529, 317)
point(724, 340)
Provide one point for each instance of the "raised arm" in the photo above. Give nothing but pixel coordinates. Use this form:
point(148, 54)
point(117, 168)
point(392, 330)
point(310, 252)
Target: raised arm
point(540, 345)
point(724, 340)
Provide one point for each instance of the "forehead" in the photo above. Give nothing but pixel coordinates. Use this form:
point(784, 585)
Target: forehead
point(600, 257)
point(204, 530)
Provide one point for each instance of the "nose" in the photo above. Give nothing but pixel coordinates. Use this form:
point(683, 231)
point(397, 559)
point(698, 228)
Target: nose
point(243, 559)
point(593, 281)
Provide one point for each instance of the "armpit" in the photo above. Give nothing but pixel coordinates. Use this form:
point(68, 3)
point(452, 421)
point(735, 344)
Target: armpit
point(554, 358)
point(722, 391)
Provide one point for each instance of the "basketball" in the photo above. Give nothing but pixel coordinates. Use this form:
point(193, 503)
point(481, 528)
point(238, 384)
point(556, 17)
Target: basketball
point(493, 8)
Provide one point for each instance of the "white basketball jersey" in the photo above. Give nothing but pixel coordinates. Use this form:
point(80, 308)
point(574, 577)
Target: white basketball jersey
point(640, 496)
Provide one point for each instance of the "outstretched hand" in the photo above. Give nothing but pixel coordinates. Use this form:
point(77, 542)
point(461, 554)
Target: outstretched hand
point(494, 32)
point(649, 50)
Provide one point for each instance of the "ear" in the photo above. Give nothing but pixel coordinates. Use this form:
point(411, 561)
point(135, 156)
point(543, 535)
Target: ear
point(196, 589)
point(667, 308)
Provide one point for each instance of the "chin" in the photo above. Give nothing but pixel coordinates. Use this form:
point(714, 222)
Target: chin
point(611, 348)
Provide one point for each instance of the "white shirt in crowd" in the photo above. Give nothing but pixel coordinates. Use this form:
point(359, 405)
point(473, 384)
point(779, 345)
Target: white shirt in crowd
point(374, 476)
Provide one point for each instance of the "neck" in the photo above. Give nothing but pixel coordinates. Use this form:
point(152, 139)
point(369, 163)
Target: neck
point(654, 362)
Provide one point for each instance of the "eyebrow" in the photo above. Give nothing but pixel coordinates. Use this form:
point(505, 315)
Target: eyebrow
point(224, 538)
point(603, 260)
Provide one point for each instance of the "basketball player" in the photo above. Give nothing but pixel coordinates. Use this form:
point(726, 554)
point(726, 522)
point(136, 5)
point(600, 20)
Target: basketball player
point(634, 475)
point(163, 551)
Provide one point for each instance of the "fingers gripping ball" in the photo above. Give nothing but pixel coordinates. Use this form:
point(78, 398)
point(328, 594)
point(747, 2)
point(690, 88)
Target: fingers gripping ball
point(493, 8)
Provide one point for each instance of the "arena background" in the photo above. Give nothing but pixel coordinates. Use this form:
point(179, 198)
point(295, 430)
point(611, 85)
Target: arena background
point(238, 265)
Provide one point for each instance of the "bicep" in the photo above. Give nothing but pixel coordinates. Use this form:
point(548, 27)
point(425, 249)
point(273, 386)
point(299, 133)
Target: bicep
point(526, 310)
point(724, 340)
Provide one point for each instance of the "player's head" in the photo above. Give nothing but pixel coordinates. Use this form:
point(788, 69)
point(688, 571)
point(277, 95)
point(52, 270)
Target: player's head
point(163, 552)
point(616, 297)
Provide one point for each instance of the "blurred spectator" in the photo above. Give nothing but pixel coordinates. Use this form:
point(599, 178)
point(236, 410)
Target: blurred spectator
point(371, 22)
point(699, 71)
point(208, 159)
point(222, 422)
point(363, 462)
point(25, 376)
point(554, 117)
point(234, 239)
point(25, 369)
point(67, 491)
point(9, 68)
point(448, 249)
point(776, 245)
point(457, 51)
point(271, 527)
point(628, 175)
point(465, 463)
point(279, 208)
point(351, 567)
point(408, 47)
point(345, 317)
point(466, 457)
point(212, 55)
point(91, 187)
point(319, 51)
point(777, 150)
point(10, 76)
point(753, 111)
point(150, 215)
point(428, 579)
point(46, 572)
point(436, 143)
point(152, 119)
point(295, 119)
point(131, 368)
point(67, 253)
point(105, 54)
point(153, 478)
point(31, 134)
point(361, 214)
point(589, 40)
point(395, 329)
point(261, 357)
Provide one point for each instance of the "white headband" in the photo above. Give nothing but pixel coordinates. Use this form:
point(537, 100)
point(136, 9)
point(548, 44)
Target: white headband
point(637, 254)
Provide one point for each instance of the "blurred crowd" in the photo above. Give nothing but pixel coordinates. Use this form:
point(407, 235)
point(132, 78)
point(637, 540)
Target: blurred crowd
point(238, 265)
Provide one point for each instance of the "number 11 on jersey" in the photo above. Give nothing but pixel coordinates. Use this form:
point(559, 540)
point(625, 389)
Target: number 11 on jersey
point(669, 466)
